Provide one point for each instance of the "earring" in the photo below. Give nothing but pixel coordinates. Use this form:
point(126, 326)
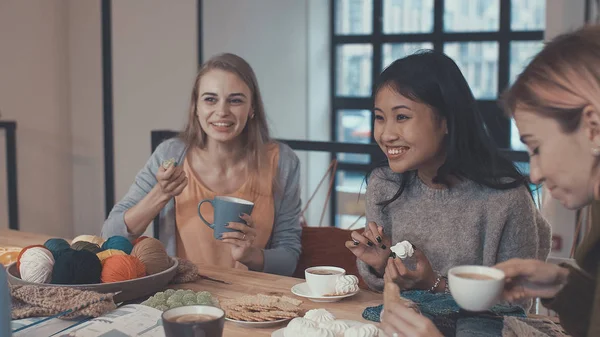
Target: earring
point(596, 151)
point(252, 116)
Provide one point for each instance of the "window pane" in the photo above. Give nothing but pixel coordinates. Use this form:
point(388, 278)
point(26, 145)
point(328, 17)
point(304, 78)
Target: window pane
point(353, 17)
point(353, 66)
point(478, 62)
point(354, 126)
point(471, 15)
point(528, 15)
point(515, 141)
point(407, 16)
point(350, 204)
point(394, 51)
point(521, 53)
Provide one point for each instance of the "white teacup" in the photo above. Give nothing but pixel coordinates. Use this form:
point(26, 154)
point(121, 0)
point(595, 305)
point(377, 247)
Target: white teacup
point(476, 288)
point(322, 280)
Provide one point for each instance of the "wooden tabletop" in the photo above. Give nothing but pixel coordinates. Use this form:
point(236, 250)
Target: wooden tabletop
point(12, 238)
point(252, 283)
point(242, 283)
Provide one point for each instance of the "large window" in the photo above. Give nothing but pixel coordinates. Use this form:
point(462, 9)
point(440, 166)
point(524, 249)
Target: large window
point(490, 40)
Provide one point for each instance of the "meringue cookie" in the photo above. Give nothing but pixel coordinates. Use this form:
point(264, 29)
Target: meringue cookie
point(403, 249)
point(346, 284)
point(308, 331)
point(319, 315)
point(300, 322)
point(366, 330)
point(337, 326)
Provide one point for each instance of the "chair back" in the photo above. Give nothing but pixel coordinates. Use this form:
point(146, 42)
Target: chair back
point(325, 246)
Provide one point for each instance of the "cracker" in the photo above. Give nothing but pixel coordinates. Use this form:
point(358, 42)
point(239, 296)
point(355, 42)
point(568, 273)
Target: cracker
point(261, 308)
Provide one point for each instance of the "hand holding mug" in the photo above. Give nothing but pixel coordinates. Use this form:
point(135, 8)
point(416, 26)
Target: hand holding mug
point(240, 241)
point(532, 278)
point(371, 247)
point(171, 179)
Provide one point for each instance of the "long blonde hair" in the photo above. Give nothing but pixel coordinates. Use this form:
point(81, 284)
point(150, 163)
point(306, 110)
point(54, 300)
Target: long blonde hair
point(256, 132)
point(569, 64)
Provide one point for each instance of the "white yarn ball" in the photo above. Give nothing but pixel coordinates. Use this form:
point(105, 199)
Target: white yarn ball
point(36, 265)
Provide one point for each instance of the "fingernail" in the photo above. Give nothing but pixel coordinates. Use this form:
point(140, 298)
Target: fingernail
point(355, 242)
point(414, 247)
point(392, 255)
point(382, 229)
point(227, 224)
point(383, 246)
point(378, 239)
point(370, 243)
point(241, 215)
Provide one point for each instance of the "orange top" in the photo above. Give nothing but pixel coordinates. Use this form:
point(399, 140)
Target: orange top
point(195, 240)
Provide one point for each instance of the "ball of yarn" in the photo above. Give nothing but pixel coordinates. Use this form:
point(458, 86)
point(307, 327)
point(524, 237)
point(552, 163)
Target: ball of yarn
point(57, 246)
point(23, 251)
point(35, 264)
point(118, 242)
point(77, 267)
point(105, 254)
point(138, 240)
point(89, 238)
point(122, 268)
point(84, 245)
point(153, 255)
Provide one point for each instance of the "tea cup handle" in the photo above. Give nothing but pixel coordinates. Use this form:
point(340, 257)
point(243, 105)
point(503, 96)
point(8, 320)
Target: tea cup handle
point(200, 214)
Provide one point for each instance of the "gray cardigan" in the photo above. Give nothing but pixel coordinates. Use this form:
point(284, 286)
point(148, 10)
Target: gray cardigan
point(283, 249)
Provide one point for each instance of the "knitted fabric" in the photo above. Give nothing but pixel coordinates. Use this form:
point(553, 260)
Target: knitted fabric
point(36, 301)
point(531, 327)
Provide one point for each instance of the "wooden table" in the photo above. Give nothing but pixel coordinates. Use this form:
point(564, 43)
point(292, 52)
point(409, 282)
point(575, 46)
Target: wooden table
point(242, 283)
point(12, 238)
point(251, 283)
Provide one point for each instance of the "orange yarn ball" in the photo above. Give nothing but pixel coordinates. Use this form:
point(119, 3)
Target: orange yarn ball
point(138, 240)
point(119, 268)
point(23, 251)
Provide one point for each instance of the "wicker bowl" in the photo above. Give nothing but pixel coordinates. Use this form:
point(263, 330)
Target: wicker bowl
point(130, 290)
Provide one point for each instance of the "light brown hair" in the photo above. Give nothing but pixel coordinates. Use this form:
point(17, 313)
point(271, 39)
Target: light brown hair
point(561, 80)
point(256, 132)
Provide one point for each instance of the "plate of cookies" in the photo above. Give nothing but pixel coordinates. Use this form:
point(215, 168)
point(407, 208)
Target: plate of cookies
point(261, 311)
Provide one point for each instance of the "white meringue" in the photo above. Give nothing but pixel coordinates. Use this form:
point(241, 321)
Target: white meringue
point(319, 315)
point(346, 284)
point(366, 330)
point(300, 322)
point(337, 326)
point(308, 331)
point(403, 249)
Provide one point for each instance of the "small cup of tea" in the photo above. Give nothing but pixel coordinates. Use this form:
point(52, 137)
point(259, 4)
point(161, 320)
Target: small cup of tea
point(476, 288)
point(322, 280)
point(193, 321)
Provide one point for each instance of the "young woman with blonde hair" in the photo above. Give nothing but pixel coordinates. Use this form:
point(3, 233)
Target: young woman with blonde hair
point(224, 150)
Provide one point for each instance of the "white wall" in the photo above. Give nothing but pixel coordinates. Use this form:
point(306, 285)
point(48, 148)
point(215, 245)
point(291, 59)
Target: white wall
point(34, 91)
point(154, 65)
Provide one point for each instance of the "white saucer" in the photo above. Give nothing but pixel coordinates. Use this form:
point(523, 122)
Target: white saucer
point(279, 333)
point(267, 324)
point(302, 290)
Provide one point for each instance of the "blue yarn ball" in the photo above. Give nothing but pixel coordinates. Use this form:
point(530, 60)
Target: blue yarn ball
point(77, 267)
point(118, 242)
point(57, 246)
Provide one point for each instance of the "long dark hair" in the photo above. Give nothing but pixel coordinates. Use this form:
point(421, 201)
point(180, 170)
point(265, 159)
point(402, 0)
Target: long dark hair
point(434, 79)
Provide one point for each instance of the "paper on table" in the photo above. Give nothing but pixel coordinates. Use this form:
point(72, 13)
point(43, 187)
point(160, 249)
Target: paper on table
point(47, 328)
point(128, 320)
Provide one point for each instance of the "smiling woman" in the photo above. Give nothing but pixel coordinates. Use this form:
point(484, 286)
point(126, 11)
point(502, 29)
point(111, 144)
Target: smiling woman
point(446, 189)
point(224, 150)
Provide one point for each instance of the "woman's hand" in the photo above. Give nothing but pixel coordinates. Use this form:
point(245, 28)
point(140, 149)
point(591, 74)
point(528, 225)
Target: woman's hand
point(371, 247)
point(402, 321)
point(241, 243)
point(422, 277)
point(532, 278)
point(172, 180)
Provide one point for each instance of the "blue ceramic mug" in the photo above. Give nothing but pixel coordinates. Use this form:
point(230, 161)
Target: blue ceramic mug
point(226, 209)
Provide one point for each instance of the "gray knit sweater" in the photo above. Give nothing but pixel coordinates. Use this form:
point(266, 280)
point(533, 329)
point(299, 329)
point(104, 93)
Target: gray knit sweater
point(466, 224)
